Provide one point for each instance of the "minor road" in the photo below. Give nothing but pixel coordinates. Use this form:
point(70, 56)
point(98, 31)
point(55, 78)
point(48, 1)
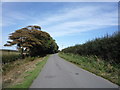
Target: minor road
point(58, 73)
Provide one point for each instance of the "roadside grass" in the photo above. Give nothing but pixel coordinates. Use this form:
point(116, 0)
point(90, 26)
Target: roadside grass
point(11, 65)
point(95, 65)
point(26, 71)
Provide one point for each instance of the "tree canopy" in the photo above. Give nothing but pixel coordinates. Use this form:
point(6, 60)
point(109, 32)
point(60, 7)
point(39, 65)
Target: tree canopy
point(33, 41)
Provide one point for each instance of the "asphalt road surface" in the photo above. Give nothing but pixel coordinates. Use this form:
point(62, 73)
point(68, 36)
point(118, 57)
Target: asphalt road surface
point(58, 73)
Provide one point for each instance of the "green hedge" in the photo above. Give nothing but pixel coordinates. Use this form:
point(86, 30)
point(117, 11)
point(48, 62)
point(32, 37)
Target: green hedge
point(107, 48)
point(9, 58)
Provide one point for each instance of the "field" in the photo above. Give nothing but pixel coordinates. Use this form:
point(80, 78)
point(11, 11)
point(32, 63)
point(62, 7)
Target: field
point(95, 65)
point(9, 56)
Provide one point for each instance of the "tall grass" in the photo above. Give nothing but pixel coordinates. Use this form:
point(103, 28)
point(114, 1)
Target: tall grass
point(95, 65)
point(9, 56)
point(31, 75)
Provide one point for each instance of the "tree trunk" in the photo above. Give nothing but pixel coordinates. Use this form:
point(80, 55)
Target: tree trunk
point(22, 55)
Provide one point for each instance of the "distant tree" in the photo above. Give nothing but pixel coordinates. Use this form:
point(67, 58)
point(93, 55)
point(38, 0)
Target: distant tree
point(33, 41)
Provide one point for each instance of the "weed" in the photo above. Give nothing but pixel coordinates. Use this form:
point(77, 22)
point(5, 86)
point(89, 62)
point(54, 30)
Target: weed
point(94, 64)
point(31, 75)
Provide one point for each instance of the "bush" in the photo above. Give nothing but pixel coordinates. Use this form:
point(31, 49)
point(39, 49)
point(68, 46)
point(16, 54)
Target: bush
point(10, 58)
point(107, 48)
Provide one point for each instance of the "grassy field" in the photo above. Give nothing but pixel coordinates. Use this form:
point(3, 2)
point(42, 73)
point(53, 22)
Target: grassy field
point(95, 65)
point(9, 56)
point(23, 72)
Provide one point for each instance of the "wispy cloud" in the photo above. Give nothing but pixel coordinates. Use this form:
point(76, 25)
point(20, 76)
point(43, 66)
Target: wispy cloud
point(14, 17)
point(69, 20)
point(80, 19)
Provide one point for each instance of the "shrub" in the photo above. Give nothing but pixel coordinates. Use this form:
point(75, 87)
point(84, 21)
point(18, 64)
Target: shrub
point(107, 48)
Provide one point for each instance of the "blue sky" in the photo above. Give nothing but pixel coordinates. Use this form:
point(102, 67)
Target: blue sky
point(69, 23)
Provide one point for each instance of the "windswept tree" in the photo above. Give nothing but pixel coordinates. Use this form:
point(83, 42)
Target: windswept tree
point(32, 41)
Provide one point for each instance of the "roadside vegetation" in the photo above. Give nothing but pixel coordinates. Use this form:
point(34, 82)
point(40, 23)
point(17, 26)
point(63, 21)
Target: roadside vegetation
point(100, 56)
point(107, 48)
point(21, 73)
point(21, 67)
point(9, 56)
point(95, 65)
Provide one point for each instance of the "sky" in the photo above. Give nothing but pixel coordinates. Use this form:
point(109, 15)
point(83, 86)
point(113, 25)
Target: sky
point(69, 23)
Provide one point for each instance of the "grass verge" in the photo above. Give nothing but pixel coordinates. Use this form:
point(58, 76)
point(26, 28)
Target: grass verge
point(95, 65)
point(25, 79)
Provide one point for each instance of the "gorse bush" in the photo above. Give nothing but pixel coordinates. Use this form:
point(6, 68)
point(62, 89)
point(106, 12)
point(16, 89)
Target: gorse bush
point(107, 48)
